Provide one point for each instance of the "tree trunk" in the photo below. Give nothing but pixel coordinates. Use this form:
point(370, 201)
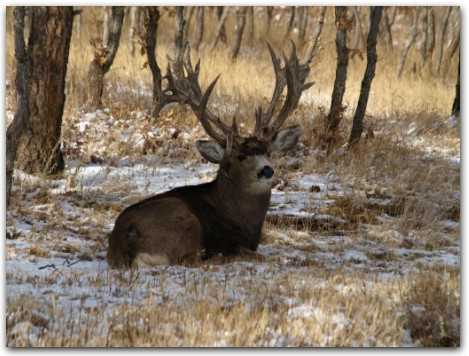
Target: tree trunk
point(221, 31)
point(240, 25)
point(444, 29)
point(337, 109)
point(152, 16)
point(19, 123)
point(456, 109)
point(302, 23)
point(410, 43)
point(180, 42)
point(42, 89)
point(359, 37)
point(270, 14)
point(252, 28)
point(135, 15)
point(199, 33)
point(317, 35)
point(291, 21)
point(104, 57)
point(387, 29)
point(371, 58)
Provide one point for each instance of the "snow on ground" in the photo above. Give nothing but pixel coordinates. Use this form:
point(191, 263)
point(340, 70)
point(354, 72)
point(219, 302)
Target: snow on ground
point(63, 265)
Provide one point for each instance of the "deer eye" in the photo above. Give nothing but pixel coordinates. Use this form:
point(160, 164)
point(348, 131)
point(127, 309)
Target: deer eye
point(241, 157)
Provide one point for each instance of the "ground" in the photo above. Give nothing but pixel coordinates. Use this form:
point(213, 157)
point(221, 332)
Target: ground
point(337, 265)
point(361, 247)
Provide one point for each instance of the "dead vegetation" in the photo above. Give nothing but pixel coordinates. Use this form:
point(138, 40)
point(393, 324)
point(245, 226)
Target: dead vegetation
point(376, 266)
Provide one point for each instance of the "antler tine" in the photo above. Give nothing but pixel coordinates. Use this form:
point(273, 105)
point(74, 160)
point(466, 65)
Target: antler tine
point(280, 83)
point(185, 89)
point(295, 76)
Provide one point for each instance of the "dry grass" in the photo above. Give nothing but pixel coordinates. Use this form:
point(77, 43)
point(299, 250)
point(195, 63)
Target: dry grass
point(346, 303)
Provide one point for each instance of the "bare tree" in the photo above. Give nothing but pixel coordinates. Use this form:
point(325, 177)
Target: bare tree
point(387, 26)
point(269, 10)
point(222, 14)
point(317, 35)
point(252, 27)
point(135, 20)
point(444, 29)
point(359, 36)
point(291, 21)
point(302, 23)
point(33, 138)
point(180, 41)
point(199, 32)
point(456, 109)
point(337, 109)
point(103, 57)
point(240, 25)
point(371, 58)
point(410, 43)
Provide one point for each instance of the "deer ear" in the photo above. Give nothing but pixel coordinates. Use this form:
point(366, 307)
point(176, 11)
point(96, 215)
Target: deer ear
point(286, 139)
point(210, 150)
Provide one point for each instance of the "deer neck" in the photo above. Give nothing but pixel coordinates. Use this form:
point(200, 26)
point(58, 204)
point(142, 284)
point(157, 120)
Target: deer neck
point(238, 205)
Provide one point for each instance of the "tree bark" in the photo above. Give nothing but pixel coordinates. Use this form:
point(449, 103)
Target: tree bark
point(388, 29)
point(371, 58)
point(41, 92)
point(152, 16)
point(317, 35)
point(240, 25)
point(180, 42)
point(359, 37)
point(410, 43)
point(222, 13)
point(337, 109)
point(302, 23)
point(291, 21)
point(270, 14)
point(19, 123)
point(199, 33)
point(444, 29)
point(456, 109)
point(135, 15)
point(103, 58)
point(252, 28)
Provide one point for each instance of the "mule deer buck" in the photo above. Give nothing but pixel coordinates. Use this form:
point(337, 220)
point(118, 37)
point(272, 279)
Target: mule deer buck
point(228, 213)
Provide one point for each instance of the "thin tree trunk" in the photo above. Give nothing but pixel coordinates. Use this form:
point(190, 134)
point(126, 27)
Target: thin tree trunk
point(152, 16)
point(269, 15)
point(317, 35)
point(456, 109)
point(337, 109)
point(221, 31)
point(444, 29)
point(135, 14)
point(240, 25)
point(252, 28)
point(199, 33)
point(106, 25)
point(291, 21)
point(303, 23)
point(20, 121)
point(103, 58)
point(371, 58)
point(410, 43)
point(180, 42)
point(359, 37)
point(42, 89)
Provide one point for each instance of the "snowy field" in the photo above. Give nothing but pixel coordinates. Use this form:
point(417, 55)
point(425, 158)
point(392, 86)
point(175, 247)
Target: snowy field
point(56, 268)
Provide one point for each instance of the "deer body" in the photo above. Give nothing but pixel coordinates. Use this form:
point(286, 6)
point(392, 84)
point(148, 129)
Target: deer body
point(228, 213)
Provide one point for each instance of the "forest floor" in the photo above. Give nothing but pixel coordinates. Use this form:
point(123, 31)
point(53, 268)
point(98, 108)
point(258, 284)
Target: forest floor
point(360, 248)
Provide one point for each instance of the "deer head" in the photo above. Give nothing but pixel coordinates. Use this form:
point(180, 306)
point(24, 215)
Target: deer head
point(245, 160)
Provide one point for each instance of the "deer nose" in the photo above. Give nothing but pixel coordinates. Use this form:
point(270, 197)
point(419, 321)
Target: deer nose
point(266, 172)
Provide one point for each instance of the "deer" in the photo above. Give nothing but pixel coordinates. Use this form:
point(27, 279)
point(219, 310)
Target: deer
point(226, 215)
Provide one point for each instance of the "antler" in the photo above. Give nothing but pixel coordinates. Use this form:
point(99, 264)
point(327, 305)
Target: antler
point(293, 76)
point(186, 89)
